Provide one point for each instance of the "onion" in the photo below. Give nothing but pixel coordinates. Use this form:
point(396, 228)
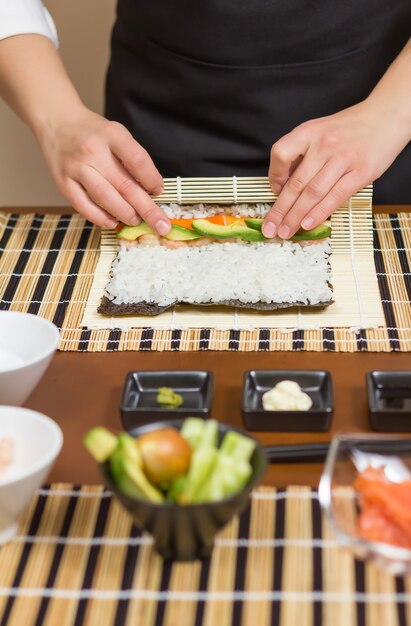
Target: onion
point(166, 455)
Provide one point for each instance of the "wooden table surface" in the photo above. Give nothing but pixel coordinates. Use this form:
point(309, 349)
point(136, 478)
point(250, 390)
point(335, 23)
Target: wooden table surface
point(81, 390)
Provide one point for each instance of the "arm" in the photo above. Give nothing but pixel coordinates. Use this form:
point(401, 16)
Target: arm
point(322, 162)
point(95, 163)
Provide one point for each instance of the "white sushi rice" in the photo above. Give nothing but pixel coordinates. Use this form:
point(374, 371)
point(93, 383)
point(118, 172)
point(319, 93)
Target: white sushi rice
point(249, 272)
point(198, 211)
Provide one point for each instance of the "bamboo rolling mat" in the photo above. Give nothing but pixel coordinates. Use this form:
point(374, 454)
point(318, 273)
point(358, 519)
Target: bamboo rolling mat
point(357, 301)
point(48, 262)
point(77, 560)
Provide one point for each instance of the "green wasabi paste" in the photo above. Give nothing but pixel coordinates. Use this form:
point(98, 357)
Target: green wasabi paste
point(168, 398)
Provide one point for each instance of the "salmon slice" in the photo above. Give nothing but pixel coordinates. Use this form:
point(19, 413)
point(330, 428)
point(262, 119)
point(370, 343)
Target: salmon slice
point(385, 502)
point(373, 525)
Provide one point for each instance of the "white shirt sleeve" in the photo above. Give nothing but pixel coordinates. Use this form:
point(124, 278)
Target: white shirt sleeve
point(21, 17)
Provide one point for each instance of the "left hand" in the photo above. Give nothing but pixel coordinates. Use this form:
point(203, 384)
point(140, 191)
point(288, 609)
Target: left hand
point(321, 163)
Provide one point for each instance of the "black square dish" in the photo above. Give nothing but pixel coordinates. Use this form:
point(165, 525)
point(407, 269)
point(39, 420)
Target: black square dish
point(139, 399)
point(316, 383)
point(389, 400)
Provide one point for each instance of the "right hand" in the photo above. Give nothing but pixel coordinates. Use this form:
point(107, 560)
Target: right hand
point(104, 173)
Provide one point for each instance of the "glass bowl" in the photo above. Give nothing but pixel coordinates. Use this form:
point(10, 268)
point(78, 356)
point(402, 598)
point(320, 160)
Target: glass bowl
point(348, 454)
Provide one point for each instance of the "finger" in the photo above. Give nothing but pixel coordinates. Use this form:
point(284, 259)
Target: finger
point(136, 160)
point(82, 203)
point(315, 190)
point(348, 184)
point(286, 154)
point(147, 209)
point(106, 196)
point(136, 197)
point(291, 191)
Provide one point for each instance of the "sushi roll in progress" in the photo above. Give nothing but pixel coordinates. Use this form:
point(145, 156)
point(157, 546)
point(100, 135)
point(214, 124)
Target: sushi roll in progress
point(217, 255)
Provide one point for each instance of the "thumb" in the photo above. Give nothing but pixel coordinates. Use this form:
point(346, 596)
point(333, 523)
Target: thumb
point(286, 155)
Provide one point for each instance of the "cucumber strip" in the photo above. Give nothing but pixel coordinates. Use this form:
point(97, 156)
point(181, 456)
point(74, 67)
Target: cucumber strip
point(238, 446)
point(201, 466)
point(193, 430)
point(210, 434)
point(228, 477)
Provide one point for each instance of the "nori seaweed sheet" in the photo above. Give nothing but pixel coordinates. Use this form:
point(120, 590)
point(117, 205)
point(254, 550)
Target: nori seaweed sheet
point(107, 307)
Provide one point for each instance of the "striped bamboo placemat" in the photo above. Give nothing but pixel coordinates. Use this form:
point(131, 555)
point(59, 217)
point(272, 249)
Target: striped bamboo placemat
point(47, 265)
point(78, 561)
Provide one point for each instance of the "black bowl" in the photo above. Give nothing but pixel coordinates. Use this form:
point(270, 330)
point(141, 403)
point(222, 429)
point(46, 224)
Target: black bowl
point(186, 533)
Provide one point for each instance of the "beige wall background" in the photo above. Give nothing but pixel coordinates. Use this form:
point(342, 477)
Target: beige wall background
point(84, 28)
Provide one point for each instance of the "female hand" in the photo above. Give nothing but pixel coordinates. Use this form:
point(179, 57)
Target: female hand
point(322, 162)
point(104, 173)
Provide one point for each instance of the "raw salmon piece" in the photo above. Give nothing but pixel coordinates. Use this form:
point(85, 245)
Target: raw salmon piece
point(373, 525)
point(385, 502)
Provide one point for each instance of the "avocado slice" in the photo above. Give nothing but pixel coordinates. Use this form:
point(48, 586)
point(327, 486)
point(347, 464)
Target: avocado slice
point(177, 233)
point(319, 232)
point(100, 443)
point(132, 481)
point(126, 470)
point(131, 233)
point(236, 230)
point(254, 222)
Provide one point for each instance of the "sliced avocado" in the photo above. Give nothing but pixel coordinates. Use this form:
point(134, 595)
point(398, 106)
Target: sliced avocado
point(101, 443)
point(319, 232)
point(177, 233)
point(131, 233)
point(237, 230)
point(132, 481)
point(127, 447)
point(254, 222)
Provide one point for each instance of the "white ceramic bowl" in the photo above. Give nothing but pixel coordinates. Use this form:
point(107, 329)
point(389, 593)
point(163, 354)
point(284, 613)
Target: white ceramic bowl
point(37, 441)
point(27, 344)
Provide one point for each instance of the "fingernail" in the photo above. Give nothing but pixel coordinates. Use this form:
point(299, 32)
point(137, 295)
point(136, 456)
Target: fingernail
point(307, 223)
point(110, 224)
point(134, 220)
point(269, 230)
point(162, 227)
point(284, 231)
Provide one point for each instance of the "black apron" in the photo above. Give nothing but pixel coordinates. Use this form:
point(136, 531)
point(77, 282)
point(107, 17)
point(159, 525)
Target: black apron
point(207, 87)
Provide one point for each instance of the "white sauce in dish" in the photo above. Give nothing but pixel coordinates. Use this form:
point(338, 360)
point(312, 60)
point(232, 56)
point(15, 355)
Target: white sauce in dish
point(287, 395)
